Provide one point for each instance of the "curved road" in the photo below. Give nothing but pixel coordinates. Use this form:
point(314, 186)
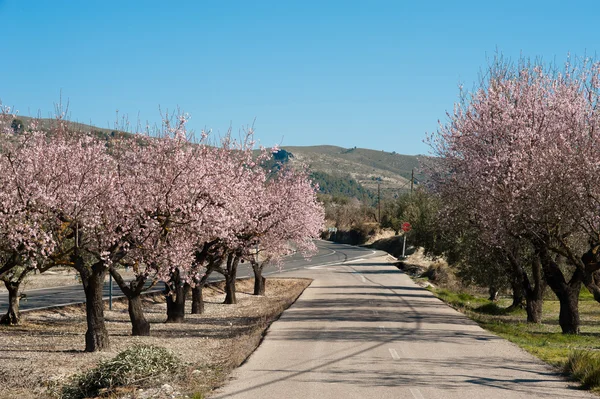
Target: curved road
point(363, 329)
point(67, 295)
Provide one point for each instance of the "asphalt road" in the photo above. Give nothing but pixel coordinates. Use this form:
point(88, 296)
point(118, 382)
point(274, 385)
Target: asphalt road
point(364, 330)
point(60, 296)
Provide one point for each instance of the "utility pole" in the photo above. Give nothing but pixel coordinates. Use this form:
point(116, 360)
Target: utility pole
point(379, 199)
point(412, 180)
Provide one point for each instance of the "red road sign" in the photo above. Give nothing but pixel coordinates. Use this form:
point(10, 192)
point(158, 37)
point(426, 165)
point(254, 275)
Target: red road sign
point(406, 227)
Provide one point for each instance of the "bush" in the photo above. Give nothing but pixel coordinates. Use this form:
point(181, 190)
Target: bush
point(494, 310)
point(439, 273)
point(584, 366)
point(17, 126)
point(130, 367)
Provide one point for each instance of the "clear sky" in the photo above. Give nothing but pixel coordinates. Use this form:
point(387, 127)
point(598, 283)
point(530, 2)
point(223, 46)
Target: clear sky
point(372, 74)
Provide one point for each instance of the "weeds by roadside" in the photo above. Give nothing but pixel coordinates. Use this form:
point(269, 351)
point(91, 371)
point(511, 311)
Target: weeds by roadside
point(137, 366)
point(575, 355)
point(585, 367)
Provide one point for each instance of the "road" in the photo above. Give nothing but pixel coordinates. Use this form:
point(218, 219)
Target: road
point(364, 330)
point(73, 294)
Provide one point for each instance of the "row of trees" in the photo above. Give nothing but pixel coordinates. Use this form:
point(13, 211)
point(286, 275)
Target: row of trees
point(170, 209)
point(516, 175)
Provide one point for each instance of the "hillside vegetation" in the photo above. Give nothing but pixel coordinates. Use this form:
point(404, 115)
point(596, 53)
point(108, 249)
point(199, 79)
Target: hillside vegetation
point(367, 167)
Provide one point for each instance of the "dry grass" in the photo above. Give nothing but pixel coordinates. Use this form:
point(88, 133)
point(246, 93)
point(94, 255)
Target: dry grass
point(40, 355)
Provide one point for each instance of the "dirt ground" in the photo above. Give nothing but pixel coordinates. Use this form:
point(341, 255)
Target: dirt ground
point(40, 355)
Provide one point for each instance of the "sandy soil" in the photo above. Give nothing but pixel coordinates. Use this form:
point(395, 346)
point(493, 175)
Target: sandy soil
point(40, 355)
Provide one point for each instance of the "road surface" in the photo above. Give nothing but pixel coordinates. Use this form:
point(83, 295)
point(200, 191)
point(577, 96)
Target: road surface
point(73, 294)
point(364, 330)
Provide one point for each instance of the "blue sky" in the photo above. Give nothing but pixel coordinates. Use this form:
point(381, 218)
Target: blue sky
point(372, 74)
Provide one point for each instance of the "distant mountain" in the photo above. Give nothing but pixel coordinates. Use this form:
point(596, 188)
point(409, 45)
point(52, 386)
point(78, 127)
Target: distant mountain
point(354, 172)
point(46, 123)
point(368, 167)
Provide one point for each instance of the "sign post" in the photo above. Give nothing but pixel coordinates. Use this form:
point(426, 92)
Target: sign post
point(406, 227)
point(110, 292)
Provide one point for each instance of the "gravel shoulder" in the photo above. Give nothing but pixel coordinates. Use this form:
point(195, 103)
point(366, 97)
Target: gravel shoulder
point(40, 355)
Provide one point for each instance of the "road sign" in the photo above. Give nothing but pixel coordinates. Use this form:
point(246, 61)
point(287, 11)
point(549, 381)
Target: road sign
point(406, 227)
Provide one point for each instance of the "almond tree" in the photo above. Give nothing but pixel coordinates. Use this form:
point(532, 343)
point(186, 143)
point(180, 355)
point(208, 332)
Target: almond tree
point(64, 185)
point(86, 201)
point(245, 180)
point(290, 219)
point(25, 244)
point(521, 152)
point(169, 188)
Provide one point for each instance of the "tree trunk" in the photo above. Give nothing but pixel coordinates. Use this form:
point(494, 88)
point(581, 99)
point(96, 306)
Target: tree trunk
point(132, 290)
point(139, 324)
point(230, 277)
point(493, 293)
point(230, 298)
point(568, 317)
point(522, 287)
point(533, 306)
point(12, 316)
point(259, 280)
point(591, 264)
point(96, 336)
point(176, 300)
point(517, 293)
point(567, 293)
point(534, 296)
point(197, 300)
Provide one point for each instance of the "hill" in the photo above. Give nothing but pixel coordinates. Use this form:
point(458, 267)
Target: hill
point(368, 167)
point(338, 170)
point(47, 123)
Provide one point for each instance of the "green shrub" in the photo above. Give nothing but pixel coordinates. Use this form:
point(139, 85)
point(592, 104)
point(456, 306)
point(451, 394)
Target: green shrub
point(130, 367)
point(17, 126)
point(584, 366)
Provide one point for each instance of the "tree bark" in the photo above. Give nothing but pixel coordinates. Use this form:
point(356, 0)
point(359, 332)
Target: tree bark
point(518, 296)
point(591, 265)
point(197, 293)
point(96, 336)
point(568, 317)
point(259, 280)
point(534, 296)
point(534, 307)
point(197, 300)
point(139, 324)
point(230, 277)
point(203, 257)
point(132, 291)
point(12, 316)
point(230, 298)
point(567, 293)
point(176, 300)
